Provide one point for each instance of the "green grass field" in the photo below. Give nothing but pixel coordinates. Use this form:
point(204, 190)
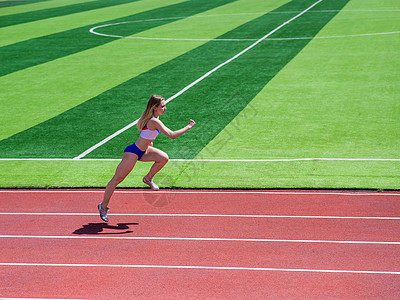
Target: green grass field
point(314, 105)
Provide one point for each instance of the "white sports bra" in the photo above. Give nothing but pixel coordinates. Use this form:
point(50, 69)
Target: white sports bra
point(149, 134)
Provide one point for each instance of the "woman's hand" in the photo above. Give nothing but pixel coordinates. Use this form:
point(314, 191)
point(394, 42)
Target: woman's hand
point(191, 123)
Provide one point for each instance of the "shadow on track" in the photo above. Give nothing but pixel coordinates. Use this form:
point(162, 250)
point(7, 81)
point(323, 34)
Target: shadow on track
point(98, 228)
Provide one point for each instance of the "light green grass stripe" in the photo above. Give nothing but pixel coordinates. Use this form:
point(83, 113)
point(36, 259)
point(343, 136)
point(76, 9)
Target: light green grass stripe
point(36, 94)
point(38, 6)
point(338, 98)
point(17, 33)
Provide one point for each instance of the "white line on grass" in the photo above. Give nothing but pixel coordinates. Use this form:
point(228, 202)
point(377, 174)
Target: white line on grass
point(199, 268)
point(287, 159)
point(232, 40)
point(209, 160)
point(93, 30)
point(83, 154)
point(201, 215)
point(151, 238)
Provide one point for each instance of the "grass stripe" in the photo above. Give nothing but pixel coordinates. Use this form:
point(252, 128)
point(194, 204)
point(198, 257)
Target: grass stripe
point(19, 3)
point(21, 32)
point(57, 12)
point(30, 7)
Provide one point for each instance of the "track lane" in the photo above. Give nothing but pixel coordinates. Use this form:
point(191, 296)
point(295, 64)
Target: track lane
point(204, 227)
point(202, 201)
point(313, 256)
point(142, 283)
point(97, 283)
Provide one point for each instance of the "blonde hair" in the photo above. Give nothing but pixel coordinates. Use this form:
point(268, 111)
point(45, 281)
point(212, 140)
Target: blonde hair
point(154, 101)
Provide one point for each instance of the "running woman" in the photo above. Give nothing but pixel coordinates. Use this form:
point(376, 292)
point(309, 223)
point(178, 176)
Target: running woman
point(149, 126)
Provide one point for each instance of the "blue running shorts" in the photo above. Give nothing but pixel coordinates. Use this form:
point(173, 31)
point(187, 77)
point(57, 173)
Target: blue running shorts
point(134, 149)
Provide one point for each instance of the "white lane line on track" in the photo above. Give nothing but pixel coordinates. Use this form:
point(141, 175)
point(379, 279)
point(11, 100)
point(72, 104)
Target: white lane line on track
point(42, 299)
point(118, 191)
point(199, 268)
point(109, 236)
point(200, 215)
point(83, 154)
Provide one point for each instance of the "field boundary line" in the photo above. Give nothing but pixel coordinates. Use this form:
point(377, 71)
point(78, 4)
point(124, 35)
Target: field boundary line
point(200, 268)
point(209, 160)
point(83, 154)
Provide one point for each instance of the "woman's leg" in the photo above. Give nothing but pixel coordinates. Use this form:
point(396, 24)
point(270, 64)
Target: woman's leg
point(124, 168)
point(159, 157)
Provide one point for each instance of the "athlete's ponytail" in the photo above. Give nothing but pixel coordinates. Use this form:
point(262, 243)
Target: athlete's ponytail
point(155, 100)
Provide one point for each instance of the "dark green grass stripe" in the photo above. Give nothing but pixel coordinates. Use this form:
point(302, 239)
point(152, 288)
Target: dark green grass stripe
point(36, 51)
point(57, 11)
point(21, 2)
point(213, 103)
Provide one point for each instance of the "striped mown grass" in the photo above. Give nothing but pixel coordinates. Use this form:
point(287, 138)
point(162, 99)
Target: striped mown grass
point(285, 98)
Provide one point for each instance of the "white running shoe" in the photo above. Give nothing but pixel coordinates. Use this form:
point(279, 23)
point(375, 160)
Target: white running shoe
point(103, 213)
point(150, 183)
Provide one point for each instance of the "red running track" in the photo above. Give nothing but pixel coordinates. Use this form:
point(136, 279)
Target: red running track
point(200, 244)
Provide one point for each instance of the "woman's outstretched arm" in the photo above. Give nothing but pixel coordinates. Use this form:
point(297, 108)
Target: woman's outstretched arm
point(168, 132)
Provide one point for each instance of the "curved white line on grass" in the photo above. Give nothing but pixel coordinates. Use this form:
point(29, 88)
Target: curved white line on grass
point(200, 79)
point(199, 268)
point(92, 30)
point(152, 238)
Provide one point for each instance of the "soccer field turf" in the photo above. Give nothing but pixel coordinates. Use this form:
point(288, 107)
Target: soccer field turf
point(285, 94)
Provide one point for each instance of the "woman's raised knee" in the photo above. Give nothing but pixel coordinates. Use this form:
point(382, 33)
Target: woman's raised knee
point(165, 158)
